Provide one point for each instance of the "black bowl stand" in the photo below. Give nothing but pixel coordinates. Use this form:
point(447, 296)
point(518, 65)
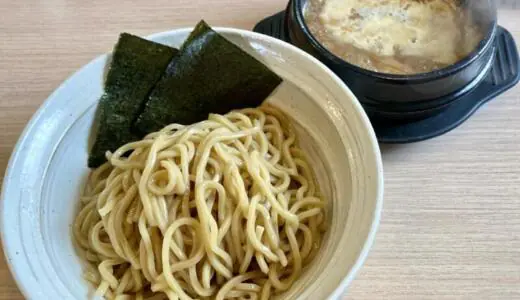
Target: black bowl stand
point(502, 75)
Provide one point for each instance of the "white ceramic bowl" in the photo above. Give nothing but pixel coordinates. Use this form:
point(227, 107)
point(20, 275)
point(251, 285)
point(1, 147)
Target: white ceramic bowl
point(48, 168)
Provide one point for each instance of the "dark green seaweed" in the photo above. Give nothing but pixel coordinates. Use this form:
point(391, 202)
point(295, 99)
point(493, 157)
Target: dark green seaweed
point(209, 75)
point(137, 64)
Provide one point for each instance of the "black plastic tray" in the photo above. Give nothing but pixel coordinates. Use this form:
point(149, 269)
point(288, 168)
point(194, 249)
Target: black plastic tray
point(503, 74)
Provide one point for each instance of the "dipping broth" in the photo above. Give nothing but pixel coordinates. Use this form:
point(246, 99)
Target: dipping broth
point(394, 36)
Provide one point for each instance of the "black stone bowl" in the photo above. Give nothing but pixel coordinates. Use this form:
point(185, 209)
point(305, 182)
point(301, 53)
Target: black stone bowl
point(403, 97)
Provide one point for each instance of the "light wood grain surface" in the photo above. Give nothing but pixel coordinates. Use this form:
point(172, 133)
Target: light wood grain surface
point(451, 222)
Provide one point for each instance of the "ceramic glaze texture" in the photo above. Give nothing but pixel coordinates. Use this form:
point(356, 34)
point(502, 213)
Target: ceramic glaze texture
point(48, 168)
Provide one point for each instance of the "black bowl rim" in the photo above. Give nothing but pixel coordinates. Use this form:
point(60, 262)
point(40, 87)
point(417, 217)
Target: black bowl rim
point(297, 7)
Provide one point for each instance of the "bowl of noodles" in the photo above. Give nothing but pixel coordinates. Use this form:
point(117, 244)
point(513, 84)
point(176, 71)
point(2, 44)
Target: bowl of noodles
point(274, 194)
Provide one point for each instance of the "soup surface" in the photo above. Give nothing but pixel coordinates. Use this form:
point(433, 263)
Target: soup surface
point(394, 36)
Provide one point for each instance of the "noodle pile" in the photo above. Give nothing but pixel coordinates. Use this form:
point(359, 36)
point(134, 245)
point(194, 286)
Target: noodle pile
point(226, 208)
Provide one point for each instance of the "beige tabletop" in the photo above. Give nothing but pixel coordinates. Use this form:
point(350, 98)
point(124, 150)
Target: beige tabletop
point(451, 222)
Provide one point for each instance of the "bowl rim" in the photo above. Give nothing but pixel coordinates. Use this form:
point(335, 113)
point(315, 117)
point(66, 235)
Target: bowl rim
point(8, 239)
point(296, 8)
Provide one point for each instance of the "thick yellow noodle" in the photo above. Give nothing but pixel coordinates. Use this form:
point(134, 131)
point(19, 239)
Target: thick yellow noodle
point(226, 208)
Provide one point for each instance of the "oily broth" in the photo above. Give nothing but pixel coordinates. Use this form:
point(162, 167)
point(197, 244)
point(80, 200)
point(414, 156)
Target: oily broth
point(357, 34)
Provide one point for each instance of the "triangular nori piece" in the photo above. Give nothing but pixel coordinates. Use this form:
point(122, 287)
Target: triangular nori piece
point(209, 75)
point(137, 64)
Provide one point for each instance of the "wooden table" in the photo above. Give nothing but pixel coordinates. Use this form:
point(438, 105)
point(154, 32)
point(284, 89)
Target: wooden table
point(451, 222)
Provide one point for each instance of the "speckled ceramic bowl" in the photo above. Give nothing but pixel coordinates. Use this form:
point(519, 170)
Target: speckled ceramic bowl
point(49, 166)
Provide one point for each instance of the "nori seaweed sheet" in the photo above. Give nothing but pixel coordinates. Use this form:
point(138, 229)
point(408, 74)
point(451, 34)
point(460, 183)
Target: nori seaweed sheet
point(209, 75)
point(137, 64)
